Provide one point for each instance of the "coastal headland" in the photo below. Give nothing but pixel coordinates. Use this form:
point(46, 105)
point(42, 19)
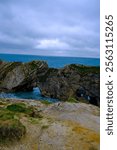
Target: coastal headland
point(73, 82)
point(71, 123)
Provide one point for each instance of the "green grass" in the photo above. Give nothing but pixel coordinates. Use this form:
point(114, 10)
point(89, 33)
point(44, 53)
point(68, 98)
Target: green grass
point(72, 100)
point(34, 120)
point(46, 102)
point(10, 128)
point(19, 107)
point(6, 115)
point(85, 69)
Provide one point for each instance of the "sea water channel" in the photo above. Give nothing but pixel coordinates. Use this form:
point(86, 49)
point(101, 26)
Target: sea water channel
point(35, 95)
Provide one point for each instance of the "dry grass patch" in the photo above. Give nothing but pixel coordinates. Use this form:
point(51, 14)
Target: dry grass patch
point(10, 128)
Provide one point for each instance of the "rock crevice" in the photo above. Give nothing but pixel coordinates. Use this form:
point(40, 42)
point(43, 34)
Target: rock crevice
point(72, 81)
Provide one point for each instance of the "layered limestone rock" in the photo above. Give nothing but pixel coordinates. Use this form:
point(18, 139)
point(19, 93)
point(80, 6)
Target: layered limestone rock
point(19, 76)
point(72, 81)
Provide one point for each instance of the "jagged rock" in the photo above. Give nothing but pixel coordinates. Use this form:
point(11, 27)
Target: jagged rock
point(71, 81)
point(19, 76)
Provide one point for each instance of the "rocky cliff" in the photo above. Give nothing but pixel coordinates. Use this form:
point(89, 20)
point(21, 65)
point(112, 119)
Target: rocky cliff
point(72, 81)
point(19, 76)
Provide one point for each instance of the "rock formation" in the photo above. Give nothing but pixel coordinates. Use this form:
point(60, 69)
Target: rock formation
point(19, 76)
point(72, 81)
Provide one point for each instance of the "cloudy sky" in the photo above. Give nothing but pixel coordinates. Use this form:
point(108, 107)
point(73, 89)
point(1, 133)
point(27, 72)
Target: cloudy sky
point(50, 27)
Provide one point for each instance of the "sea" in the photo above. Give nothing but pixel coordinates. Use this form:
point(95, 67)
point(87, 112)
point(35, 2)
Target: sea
point(53, 61)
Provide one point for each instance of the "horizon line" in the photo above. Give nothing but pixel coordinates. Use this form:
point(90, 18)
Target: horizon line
point(50, 55)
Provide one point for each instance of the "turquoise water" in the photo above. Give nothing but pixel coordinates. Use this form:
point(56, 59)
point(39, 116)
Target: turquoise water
point(56, 62)
point(35, 94)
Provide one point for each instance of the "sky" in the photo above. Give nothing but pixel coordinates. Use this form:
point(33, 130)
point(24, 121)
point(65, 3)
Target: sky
point(50, 27)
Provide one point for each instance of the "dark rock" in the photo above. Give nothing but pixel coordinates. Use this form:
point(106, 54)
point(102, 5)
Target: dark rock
point(21, 76)
point(71, 81)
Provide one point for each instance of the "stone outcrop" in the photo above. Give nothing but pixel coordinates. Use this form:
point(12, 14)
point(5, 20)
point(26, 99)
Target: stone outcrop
point(72, 81)
point(19, 76)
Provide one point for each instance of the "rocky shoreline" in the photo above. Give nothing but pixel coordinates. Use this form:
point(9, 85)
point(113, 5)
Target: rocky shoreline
point(67, 124)
point(36, 125)
point(71, 82)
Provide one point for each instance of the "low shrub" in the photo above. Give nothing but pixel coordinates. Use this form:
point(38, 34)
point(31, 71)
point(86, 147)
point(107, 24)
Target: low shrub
point(11, 130)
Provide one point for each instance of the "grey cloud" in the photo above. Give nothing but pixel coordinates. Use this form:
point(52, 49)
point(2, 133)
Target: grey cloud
point(24, 23)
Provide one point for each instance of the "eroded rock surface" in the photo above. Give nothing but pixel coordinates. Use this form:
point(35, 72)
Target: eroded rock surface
point(18, 76)
point(72, 81)
point(75, 81)
point(63, 126)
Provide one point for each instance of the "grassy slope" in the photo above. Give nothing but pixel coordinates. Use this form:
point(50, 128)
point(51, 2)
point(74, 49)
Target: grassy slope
point(28, 119)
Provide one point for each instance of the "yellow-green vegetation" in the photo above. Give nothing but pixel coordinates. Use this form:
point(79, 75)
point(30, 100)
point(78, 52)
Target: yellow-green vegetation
point(34, 120)
point(87, 139)
point(72, 100)
point(19, 107)
point(45, 126)
point(88, 134)
point(2, 103)
point(24, 109)
point(46, 102)
point(85, 69)
point(64, 120)
point(10, 128)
